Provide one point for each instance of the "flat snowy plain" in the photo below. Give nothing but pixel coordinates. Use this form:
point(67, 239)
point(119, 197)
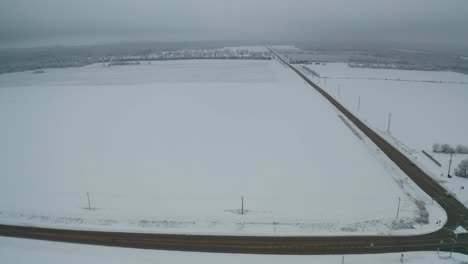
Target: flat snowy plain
point(172, 146)
point(19, 251)
point(427, 107)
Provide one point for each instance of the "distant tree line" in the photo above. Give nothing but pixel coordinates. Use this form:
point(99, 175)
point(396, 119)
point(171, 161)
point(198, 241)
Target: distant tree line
point(446, 148)
point(118, 63)
point(17, 60)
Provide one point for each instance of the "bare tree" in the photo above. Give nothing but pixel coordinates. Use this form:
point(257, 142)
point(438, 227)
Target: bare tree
point(446, 148)
point(462, 170)
point(461, 149)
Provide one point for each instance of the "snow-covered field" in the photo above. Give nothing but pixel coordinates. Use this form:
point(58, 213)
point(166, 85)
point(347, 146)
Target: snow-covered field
point(172, 146)
point(19, 251)
point(425, 107)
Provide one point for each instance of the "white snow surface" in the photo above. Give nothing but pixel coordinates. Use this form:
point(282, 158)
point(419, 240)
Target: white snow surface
point(427, 107)
point(460, 230)
point(343, 71)
point(171, 147)
point(19, 251)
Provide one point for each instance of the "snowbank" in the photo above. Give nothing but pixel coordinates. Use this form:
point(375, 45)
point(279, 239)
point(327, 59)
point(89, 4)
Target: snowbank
point(20, 251)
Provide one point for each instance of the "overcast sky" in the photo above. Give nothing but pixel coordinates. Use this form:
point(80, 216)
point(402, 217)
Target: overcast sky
point(56, 22)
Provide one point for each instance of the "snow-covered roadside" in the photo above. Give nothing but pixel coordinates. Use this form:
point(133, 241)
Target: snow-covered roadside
point(24, 251)
point(426, 107)
point(423, 113)
point(430, 211)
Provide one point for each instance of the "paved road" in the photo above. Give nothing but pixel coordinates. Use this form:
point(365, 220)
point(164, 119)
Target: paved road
point(442, 239)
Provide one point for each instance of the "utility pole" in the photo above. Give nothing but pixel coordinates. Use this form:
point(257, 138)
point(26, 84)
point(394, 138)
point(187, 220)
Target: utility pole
point(342, 259)
point(242, 204)
point(398, 210)
point(450, 165)
point(359, 103)
point(389, 120)
point(89, 203)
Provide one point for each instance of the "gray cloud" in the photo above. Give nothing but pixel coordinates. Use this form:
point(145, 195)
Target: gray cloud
point(86, 21)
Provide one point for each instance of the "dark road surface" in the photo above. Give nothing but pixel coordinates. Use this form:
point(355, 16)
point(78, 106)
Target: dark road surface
point(442, 239)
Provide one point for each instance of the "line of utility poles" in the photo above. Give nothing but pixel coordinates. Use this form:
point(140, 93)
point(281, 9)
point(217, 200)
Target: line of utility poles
point(450, 165)
point(389, 121)
point(398, 210)
point(89, 202)
point(242, 204)
point(359, 103)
